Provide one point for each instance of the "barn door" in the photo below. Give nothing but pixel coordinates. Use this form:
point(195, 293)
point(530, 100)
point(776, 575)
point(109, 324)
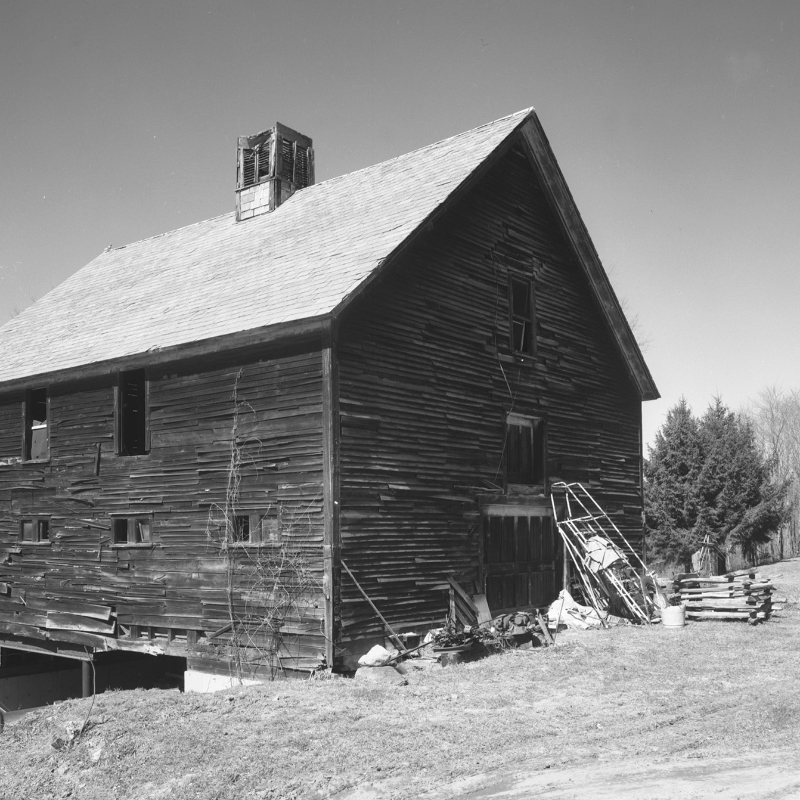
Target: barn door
point(519, 561)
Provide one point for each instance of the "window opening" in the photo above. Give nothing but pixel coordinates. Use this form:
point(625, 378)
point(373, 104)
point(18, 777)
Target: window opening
point(132, 413)
point(256, 527)
point(241, 528)
point(120, 531)
point(521, 308)
point(37, 439)
point(262, 158)
point(287, 159)
point(35, 530)
point(132, 530)
point(525, 450)
point(248, 168)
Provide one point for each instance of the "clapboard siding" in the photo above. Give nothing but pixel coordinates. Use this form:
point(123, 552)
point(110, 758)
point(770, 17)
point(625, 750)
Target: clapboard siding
point(427, 377)
point(181, 582)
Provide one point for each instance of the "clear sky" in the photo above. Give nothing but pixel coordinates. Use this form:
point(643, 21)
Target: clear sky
point(675, 122)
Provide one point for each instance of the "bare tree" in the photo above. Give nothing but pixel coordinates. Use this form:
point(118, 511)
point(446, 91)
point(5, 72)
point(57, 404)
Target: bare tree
point(775, 415)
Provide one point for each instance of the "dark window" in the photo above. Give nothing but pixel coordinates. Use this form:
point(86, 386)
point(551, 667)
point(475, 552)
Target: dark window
point(35, 530)
point(132, 413)
point(525, 450)
point(248, 168)
point(522, 316)
point(120, 531)
point(290, 161)
point(132, 530)
point(262, 160)
point(287, 159)
point(255, 164)
point(241, 528)
point(255, 528)
point(301, 166)
point(37, 438)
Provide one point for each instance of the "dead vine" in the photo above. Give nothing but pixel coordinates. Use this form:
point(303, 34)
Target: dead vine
point(272, 593)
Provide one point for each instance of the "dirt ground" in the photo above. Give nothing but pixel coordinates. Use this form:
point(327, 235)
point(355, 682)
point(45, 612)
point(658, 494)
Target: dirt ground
point(710, 710)
point(773, 775)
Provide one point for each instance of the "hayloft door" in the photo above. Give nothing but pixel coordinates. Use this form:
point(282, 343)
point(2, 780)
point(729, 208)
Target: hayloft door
point(519, 558)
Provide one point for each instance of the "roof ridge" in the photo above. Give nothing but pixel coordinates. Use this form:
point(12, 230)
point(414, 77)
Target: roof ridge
point(522, 113)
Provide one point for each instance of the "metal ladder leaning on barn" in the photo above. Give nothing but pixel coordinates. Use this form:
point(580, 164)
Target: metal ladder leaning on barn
point(607, 577)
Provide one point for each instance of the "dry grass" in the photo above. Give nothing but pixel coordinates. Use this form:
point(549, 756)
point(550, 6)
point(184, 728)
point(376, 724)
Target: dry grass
point(712, 689)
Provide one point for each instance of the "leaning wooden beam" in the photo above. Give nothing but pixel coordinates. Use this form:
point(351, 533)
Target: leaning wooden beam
point(224, 629)
point(398, 641)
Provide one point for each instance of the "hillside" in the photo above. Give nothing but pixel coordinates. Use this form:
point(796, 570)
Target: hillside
point(606, 705)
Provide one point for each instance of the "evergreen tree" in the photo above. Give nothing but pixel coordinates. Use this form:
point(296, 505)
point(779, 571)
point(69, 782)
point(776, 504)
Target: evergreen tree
point(707, 477)
point(671, 483)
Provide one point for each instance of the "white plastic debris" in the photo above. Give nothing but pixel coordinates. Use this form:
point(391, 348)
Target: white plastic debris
point(377, 657)
point(601, 554)
point(566, 611)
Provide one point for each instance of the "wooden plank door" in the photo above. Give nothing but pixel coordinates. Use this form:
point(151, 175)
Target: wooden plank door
point(519, 561)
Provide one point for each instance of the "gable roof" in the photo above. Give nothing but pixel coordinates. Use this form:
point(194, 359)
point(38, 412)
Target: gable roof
point(303, 261)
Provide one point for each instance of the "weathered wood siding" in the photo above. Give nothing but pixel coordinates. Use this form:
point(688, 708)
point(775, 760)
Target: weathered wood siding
point(427, 377)
point(176, 590)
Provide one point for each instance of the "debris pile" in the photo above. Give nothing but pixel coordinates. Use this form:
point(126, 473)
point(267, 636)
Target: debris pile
point(454, 637)
point(607, 579)
point(565, 611)
point(734, 596)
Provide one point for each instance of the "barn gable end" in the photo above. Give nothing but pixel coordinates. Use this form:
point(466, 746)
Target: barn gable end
point(428, 380)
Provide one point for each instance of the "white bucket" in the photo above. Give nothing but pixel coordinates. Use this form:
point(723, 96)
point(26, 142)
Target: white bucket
point(673, 616)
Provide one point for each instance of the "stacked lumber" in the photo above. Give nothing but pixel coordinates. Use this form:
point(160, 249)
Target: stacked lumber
point(735, 596)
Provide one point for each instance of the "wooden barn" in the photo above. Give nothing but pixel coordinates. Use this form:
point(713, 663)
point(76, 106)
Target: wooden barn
point(209, 439)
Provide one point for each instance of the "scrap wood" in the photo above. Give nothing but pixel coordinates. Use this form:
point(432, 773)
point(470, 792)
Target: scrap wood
point(543, 628)
point(724, 589)
point(482, 604)
point(741, 595)
point(462, 607)
point(224, 629)
point(752, 616)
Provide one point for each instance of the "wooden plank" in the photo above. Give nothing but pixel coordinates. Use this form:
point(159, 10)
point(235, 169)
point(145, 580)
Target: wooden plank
point(484, 613)
point(548, 637)
point(87, 639)
point(76, 622)
point(71, 606)
point(20, 629)
point(330, 466)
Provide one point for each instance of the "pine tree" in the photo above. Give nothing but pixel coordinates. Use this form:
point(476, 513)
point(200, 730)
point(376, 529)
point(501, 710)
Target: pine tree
point(671, 483)
point(707, 478)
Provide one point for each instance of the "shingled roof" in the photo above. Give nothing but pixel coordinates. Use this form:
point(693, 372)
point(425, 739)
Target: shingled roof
point(218, 277)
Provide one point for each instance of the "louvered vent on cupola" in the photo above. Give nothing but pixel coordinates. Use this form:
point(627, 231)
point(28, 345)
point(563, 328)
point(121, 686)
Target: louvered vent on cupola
point(271, 167)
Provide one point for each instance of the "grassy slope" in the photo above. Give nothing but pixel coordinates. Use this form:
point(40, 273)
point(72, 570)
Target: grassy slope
point(711, 689)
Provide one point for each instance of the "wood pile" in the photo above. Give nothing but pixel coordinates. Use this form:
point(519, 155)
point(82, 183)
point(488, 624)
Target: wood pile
point(735, 596)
